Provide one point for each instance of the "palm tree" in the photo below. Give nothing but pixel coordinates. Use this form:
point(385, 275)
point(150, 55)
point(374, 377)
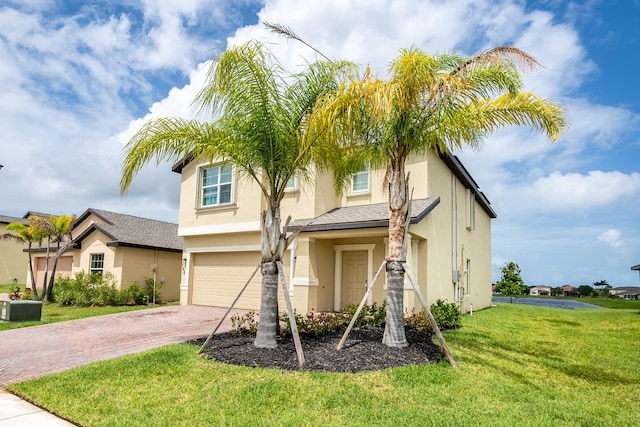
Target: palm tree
point(58, 229)
point(431, 103)
point(28, 234)
point(262, 114)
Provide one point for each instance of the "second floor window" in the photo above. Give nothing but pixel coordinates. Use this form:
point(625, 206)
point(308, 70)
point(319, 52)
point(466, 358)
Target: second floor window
point(360, 180)
point(216, 185)
point(291, 184)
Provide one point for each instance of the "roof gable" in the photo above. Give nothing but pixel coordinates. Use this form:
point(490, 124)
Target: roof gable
point(132, 231)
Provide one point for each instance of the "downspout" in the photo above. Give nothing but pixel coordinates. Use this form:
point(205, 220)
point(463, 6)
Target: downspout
point(454, 240)
point(155, 274)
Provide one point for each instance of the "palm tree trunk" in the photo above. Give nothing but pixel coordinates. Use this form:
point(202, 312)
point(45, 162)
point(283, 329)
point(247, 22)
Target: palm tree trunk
point(48, 295)
point(268, 326)
point(34, 288)
point(46, 269)
point(394, 334)
point(272, 249)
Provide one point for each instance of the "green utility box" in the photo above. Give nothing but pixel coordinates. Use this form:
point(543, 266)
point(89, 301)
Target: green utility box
point(21, 311)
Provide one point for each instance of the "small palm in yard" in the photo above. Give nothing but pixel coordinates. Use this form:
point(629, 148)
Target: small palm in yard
point(262, 114)
point(58, 229)
point(430, 104)
point(28, 234)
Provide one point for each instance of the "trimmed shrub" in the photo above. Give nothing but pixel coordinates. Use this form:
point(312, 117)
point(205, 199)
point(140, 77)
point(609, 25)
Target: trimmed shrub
point(95, 289)
point(370, 315)
point(245, 324)
point(446, 314)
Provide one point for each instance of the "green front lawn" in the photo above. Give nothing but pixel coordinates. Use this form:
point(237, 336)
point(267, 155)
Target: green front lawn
point(519, 365)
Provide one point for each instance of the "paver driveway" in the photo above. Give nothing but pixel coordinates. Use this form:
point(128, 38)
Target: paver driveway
point(37, 351)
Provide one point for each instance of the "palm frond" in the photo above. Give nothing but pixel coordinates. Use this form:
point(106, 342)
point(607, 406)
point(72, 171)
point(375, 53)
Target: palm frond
point(164, 139)
point(288, 33)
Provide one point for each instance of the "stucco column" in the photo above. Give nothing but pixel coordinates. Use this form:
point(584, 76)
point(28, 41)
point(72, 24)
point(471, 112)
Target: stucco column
point(304, 282)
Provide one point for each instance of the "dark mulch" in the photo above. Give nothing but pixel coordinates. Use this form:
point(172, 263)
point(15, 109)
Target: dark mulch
point(363, 351)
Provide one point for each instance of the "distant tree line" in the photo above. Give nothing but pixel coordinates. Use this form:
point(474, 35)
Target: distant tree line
point(512, 285)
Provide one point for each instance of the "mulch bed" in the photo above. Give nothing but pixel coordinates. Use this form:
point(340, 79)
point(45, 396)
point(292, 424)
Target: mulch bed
point(363, 351)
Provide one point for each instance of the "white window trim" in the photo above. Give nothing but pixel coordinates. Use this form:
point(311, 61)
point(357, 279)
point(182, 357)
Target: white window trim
point(95, 270)
point(293, 188)
point(366, 170)
point(200, 188)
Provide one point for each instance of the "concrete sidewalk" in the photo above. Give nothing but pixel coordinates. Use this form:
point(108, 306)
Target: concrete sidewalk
point(15, 412)
point(37, 351)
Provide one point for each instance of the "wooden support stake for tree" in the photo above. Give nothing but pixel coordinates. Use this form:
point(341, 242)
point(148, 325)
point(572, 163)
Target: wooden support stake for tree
point(228, 310)
point(432, 320)
point(292, 319)
point(355, 316)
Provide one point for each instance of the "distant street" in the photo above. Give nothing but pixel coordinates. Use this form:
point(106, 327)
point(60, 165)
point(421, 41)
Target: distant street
point(546, 302)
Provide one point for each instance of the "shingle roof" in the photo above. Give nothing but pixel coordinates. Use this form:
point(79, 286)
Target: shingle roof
point(365, 216)
point(5, 219)
point(127, 230)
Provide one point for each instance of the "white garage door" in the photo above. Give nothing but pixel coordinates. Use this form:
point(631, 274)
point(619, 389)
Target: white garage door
point(219, 277)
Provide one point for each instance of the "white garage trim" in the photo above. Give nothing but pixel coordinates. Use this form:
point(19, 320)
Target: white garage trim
point(219, 229)
point(218, 249)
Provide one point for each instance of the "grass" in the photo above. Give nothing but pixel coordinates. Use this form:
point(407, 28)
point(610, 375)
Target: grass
point(5, 289)
point(519, 365)
point(52, 313)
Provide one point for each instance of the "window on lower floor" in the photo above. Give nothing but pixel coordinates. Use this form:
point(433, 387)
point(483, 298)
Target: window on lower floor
point(97, 263)
point(216, 185)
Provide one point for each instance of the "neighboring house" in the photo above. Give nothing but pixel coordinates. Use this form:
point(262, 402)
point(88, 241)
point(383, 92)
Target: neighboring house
point(343, 241)
point(568, 290)
point(128, 247)
point(13, 261)
point(540, 290)
point(626, 292)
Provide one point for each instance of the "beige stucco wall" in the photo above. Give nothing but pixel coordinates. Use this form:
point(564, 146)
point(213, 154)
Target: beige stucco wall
point(13, 261)
point(80, 227)
point(452, 243)
point(243, 213)
point(136, 264)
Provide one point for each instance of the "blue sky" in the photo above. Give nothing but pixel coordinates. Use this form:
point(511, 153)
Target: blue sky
point(77, 78)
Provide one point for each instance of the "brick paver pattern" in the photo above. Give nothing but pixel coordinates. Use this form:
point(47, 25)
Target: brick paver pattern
point(37, 351)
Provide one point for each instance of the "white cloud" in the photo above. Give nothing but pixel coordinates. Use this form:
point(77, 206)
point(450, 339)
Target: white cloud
point(573, 192)
point(613, 238)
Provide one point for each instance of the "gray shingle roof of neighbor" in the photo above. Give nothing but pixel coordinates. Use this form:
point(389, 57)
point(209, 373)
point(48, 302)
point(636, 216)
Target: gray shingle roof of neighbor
point(5, 219)
point(133, 231)
point(364, 216)
point(33, 213)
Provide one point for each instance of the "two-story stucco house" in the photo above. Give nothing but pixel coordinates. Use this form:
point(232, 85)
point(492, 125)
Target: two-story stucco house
point(343, 241)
